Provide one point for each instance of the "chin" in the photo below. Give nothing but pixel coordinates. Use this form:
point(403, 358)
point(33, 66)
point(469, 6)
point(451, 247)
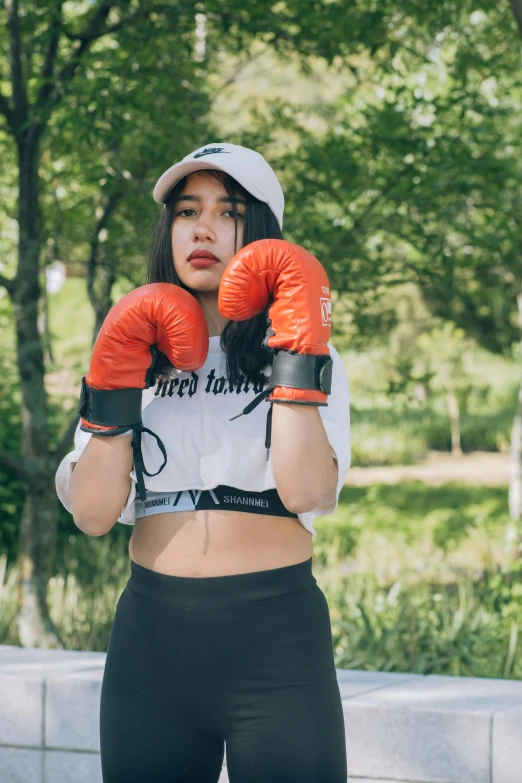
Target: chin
point(202, 281)
point(202, 286)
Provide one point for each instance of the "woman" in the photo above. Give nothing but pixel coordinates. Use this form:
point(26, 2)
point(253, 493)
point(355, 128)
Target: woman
point(221, 634)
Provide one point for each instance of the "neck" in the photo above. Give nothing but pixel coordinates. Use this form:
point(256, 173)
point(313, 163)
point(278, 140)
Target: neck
point(209, 303)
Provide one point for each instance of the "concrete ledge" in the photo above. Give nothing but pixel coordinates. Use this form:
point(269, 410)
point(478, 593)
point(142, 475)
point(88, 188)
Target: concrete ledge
point(71, 767)
point(507, 741)
point(435, 730)
point(400, 728)
point(20, 765)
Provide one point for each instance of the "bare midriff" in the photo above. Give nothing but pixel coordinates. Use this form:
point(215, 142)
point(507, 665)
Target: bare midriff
point(217, 543)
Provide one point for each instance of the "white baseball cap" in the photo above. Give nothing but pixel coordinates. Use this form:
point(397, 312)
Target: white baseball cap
point(248, 167)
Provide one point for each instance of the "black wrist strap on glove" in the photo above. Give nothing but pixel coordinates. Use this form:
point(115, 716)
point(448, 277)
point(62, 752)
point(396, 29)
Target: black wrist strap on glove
point(302, 371)
point(121, 409)
point(110, 407)
point(296, 371)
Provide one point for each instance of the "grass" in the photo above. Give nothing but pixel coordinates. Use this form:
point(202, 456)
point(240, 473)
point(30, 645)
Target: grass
point(435, 531)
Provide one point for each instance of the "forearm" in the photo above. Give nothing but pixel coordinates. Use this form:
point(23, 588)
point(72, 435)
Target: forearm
point(100, 483)
point(304, 469)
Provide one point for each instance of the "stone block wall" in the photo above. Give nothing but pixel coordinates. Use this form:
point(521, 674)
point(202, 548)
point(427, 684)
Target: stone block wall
point(400, 728)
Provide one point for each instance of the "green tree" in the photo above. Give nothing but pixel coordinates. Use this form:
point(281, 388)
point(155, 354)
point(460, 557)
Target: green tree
point(417, 175)
point(54, 88)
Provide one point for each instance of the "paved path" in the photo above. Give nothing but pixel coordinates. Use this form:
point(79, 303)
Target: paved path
point(481, 467)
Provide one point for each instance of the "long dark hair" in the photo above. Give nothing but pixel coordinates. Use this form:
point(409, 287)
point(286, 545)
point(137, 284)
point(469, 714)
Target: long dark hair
point(240, 340)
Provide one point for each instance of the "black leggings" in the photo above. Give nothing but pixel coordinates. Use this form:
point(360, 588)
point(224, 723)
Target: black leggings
point(244, 659)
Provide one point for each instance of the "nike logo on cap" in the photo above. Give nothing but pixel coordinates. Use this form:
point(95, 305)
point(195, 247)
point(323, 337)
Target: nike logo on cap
point(211, 151)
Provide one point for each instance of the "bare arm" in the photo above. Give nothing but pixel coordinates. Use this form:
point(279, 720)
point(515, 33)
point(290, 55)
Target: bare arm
point(100, 483)
point(304, 469)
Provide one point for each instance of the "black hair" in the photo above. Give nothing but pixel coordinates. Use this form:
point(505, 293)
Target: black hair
point(241, 341)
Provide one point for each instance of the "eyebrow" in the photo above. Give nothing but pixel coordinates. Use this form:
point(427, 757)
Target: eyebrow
point(221, 199)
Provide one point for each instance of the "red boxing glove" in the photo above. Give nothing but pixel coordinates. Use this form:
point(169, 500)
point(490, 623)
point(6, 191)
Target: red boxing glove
point(300, 315)
point(155, 317)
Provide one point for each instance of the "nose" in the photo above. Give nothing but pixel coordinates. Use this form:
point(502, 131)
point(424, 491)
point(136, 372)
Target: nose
point(203, 230)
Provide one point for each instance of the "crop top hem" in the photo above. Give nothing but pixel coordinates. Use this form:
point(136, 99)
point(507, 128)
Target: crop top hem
point(221, 498)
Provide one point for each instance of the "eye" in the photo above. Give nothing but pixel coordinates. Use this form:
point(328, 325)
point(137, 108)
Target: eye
point(184, 210)
point(231, 211)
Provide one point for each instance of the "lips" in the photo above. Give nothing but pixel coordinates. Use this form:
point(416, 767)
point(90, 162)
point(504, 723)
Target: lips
point(202, 258)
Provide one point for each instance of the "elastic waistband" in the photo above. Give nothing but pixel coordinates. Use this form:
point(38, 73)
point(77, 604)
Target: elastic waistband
point(219, 590)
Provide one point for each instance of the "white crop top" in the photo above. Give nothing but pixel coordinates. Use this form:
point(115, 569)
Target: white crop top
point(191, 415)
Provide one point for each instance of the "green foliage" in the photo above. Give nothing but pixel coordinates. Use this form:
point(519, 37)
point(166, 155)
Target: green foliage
point(388, 528)
point(389, 437)
point(403, 427)
point(413, 175)
point(336, 539)
point(89, 576)
point(479, 432)
point(72, 351)
point(71, 322)
point(383, 437)
point(440, 606)
point(468, 629)
point(82, 555)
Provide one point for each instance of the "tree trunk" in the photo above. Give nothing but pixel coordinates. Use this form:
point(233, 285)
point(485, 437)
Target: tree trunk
point(40, 517)
point(102, 305)
point(454, 415)
point(44, 325)
point(36, 550)
point(101, 277)
point(515, 450)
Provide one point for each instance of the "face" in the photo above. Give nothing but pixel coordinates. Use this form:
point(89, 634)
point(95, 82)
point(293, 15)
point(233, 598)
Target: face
point(203, 220)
